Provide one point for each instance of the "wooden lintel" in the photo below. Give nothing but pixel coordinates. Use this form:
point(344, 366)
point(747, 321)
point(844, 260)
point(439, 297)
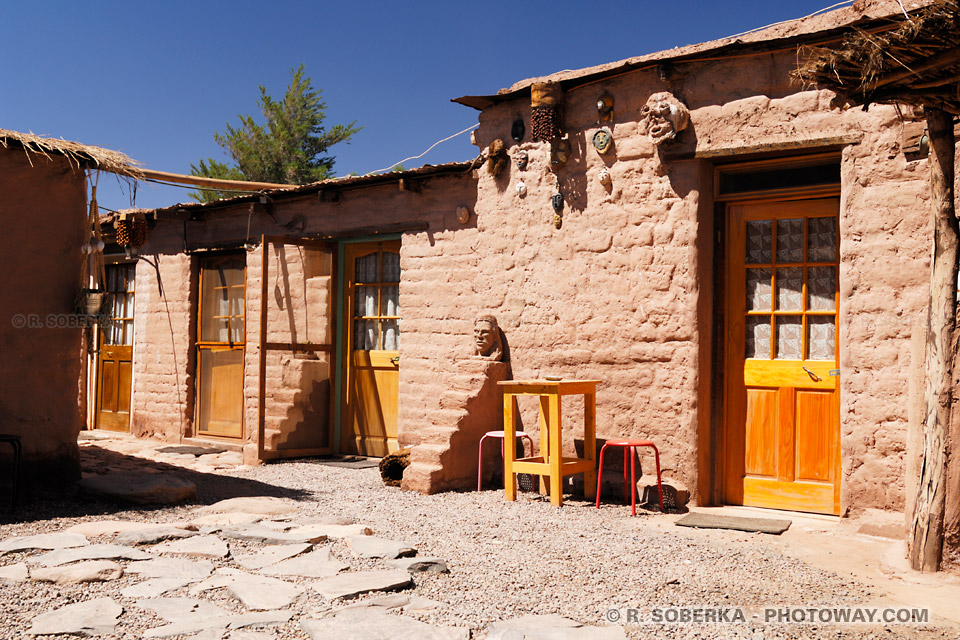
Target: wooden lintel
point(260, 207)
point(787, 145)
point(330, 195)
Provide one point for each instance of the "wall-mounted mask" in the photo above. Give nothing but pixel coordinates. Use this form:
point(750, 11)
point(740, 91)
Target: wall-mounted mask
point(522, 158)
point(663, 117)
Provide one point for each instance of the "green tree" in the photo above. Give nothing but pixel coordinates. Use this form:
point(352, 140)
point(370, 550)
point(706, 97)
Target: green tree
point(288, 148)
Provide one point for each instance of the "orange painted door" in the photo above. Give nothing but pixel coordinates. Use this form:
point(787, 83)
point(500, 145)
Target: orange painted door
point(115, 360)
point(220, 347)
point(372, 296)
point(782, 444)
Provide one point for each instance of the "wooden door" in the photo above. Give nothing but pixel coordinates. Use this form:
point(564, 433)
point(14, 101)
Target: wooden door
point(115, 359)
point(220, 346)
point(782, 445)
point(370, 403)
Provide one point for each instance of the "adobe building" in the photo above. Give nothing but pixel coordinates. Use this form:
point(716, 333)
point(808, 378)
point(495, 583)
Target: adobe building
point(741, 264)
point(43, 188)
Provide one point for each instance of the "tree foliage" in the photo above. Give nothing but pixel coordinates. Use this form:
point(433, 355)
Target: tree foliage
point(288, 148)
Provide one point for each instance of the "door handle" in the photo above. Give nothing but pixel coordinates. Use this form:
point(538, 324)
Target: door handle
point(812, 375)
point(395, 360)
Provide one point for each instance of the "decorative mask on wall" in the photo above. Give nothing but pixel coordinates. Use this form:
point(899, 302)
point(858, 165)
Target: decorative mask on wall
point(605, 178)
point(518, 130)
point(486, 336)
point(559, 152)
point(602, 140)
point(522, 158)
point(463, 214)
point(557, 202)
point(663, 117)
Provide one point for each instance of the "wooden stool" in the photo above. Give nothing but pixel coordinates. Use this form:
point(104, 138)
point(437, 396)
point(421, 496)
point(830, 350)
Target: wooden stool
point(629, 448)
point(14, 441)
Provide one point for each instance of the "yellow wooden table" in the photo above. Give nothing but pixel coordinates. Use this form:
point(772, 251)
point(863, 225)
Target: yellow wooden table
point(551, 463)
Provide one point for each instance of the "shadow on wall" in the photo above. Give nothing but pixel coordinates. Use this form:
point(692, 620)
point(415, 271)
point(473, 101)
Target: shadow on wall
point(39, 503)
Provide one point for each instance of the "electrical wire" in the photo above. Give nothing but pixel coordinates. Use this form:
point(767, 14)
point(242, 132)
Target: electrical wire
point(425, 152)
point(819, 11)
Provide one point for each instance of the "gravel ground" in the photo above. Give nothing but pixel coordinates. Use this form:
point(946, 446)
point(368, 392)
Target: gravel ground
point(506, 559)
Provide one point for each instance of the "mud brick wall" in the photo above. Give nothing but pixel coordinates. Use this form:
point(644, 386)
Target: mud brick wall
point(45, 224)
point(623, 291)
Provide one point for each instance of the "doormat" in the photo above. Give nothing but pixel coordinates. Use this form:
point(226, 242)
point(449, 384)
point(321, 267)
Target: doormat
point(347, 462)
point(190, 450)
point(737, 523)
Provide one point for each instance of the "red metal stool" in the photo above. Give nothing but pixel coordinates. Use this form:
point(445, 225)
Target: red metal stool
point(501, 435)
point(629, 449)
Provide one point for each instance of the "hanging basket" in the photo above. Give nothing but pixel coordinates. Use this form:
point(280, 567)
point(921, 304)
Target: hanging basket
point(91, 301)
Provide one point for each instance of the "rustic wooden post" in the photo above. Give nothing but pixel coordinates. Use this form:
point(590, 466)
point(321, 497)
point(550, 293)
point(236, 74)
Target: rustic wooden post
point(926, 535)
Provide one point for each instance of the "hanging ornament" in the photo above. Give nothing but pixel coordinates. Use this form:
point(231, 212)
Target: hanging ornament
point(86, 248)
point(521, 189)
point(496, 157)
point(605, 108)
point(605, 178)
point(463, 215)
point(546, 101)
point(557, 220)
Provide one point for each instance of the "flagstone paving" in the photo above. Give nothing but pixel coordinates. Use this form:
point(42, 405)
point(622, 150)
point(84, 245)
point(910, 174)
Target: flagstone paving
point(489, 570)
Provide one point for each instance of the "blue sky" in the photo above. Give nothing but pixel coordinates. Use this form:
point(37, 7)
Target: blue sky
point(156, 80)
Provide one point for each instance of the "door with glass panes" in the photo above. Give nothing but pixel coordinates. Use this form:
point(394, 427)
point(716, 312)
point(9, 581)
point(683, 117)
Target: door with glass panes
point(782, 435)
point(115, 359)
point(372, 298)
point(220, 346)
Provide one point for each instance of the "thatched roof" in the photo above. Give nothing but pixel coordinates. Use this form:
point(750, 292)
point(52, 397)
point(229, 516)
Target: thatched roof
point(81, 155)
point(917, 62)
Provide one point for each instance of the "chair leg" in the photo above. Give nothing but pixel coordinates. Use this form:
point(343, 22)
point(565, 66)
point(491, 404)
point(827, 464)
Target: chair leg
point(633, 482)
point(480, 463)
point(626, 487)
point(656, 455)
point(600, 473)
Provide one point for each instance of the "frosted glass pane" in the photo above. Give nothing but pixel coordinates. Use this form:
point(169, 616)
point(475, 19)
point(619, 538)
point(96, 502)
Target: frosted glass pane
point(759, 290)
point(789, 338)
point(822, 239)
point(790, 289)
point(759, 241)
point(391, 300)
point(391, 335)
point(821, 288)
point(790, 240)
point(757, 343)
point(391, 267)
point(367, 269)
point(821, 337)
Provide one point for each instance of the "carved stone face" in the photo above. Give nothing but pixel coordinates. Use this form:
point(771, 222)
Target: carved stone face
point(485, 335)
point(663, 117)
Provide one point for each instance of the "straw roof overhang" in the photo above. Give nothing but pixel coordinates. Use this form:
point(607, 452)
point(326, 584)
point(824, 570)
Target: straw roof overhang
point(915, 63)
point(81, 155)
point(410, 178)
point(825, 29)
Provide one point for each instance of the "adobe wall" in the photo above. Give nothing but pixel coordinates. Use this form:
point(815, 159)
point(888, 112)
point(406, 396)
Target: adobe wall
point(624, 290)
point(164, 352)
point(44, 214)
